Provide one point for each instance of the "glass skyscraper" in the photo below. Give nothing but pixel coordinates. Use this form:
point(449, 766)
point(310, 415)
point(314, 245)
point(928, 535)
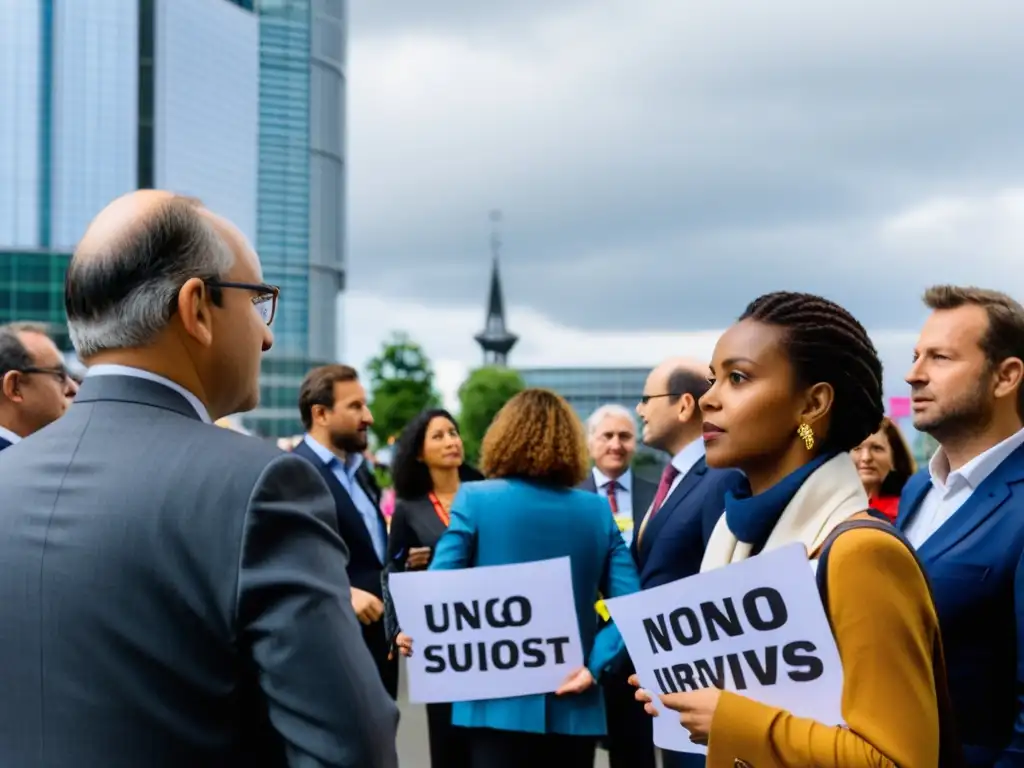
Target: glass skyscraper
point(301, 200)
point(236, 102)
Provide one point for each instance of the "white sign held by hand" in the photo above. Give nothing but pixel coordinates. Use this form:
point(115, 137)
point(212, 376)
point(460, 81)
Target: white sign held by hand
point(756, 627)
point(489, 632)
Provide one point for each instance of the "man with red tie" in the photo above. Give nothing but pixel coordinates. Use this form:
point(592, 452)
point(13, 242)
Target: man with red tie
point(670, 540)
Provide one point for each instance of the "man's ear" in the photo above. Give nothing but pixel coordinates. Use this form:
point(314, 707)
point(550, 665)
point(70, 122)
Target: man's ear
point(11, 386)
point(194, 311)
point(687, 407)
point(1009, 375)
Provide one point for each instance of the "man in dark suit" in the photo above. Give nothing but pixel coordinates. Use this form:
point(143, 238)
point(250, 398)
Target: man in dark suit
point(35, 386)
point(690, 498)
point(174, 594)
point(332, 405)
point(964, 512)
point(611, 440)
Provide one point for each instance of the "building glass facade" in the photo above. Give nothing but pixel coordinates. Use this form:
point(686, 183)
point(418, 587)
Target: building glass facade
point(239, 103)
point(587, 389)
point(32, 289)
point(301, 195)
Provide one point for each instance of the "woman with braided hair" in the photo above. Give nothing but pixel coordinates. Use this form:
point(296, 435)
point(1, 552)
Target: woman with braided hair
point(796, 384)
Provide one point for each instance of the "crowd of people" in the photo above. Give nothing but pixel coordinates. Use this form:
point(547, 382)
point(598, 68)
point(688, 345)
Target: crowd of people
point(174, 594)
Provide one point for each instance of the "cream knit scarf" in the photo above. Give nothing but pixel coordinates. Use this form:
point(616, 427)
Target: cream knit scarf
point(828, 497)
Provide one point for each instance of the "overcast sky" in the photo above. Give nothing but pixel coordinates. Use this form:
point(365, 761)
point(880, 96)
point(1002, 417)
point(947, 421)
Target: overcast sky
point(661, 163)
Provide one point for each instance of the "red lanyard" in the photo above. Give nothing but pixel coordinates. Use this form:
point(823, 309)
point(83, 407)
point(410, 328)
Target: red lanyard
point(442, 513)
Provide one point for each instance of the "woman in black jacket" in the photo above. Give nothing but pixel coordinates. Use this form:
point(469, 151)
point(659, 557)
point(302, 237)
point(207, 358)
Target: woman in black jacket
point(427, 471)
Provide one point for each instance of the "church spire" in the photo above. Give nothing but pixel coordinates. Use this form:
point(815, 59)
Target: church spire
point(495, 339)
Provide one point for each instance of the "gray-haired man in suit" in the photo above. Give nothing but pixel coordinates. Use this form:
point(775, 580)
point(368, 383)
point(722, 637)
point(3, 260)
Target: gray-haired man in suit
point(611, 441)
point(171, 593)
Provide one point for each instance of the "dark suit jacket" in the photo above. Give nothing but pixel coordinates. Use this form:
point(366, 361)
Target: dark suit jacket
point(975, 565)
point(4, 444)
point(642, 493)
point(174, 594)
point(364, 567)
point(674, 540)
point(414, 523)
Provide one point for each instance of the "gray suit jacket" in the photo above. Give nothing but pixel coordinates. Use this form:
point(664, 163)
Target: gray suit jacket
point(174, 594)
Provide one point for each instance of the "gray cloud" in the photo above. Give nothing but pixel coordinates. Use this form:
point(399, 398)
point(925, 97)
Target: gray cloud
point(660, 164)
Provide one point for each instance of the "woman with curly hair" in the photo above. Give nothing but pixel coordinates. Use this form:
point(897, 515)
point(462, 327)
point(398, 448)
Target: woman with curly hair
point(529, 509)
point(427, 470)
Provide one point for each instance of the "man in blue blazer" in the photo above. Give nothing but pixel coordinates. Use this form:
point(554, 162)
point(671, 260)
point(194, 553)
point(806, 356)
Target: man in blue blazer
point(965, 513)
point(35, 386)
point(670, 541)
point(332, 404)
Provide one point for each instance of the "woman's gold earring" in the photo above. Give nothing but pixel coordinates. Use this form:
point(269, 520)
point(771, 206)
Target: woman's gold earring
point(807, 435)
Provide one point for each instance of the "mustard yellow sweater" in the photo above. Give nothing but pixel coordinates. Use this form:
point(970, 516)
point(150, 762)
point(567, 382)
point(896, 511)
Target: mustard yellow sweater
point(886, 630)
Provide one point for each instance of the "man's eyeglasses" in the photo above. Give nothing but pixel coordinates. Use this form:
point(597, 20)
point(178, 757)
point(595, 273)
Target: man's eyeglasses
point(265, 298)
point(645, 399)
point(62, 374)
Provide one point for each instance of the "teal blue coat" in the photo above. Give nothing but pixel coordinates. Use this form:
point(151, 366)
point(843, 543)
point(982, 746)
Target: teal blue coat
point(504, 522)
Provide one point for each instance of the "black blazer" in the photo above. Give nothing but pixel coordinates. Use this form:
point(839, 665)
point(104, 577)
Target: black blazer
point(364, 566)
point(414, 523)
point(642, 491)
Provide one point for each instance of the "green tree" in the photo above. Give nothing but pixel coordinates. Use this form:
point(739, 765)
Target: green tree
point(481, 396)
point(401, 385)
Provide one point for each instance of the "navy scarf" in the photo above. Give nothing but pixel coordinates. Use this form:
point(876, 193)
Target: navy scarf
point(752, 518)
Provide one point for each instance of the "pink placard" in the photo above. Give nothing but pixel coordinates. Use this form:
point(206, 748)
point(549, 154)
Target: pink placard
point(899, 407)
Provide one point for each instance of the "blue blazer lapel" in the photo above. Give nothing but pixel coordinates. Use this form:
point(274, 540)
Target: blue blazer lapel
point(986, 499)
point(672, 503)
point(4, 444)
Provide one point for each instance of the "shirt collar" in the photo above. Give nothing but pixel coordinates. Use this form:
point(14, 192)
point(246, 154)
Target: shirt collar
point(690, 455)
point(352, 462)
point(625, 480)
point(974, 472)
point(9, 436)
point(107, 369)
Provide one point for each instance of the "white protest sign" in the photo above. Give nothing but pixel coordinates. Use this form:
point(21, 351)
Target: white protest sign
point(489, 632)
point(756, 627)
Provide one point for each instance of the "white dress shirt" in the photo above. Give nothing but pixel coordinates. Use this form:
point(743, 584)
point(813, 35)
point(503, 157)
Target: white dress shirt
point(950, 490)
point(346, 474)
point(138, 373)
point(9, 436)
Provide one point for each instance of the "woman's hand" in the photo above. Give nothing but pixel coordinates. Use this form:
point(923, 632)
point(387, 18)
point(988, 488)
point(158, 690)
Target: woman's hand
point(696, 708)
point(404, 644)
point(643, 696)
point(418, 559)
point(576, 682)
